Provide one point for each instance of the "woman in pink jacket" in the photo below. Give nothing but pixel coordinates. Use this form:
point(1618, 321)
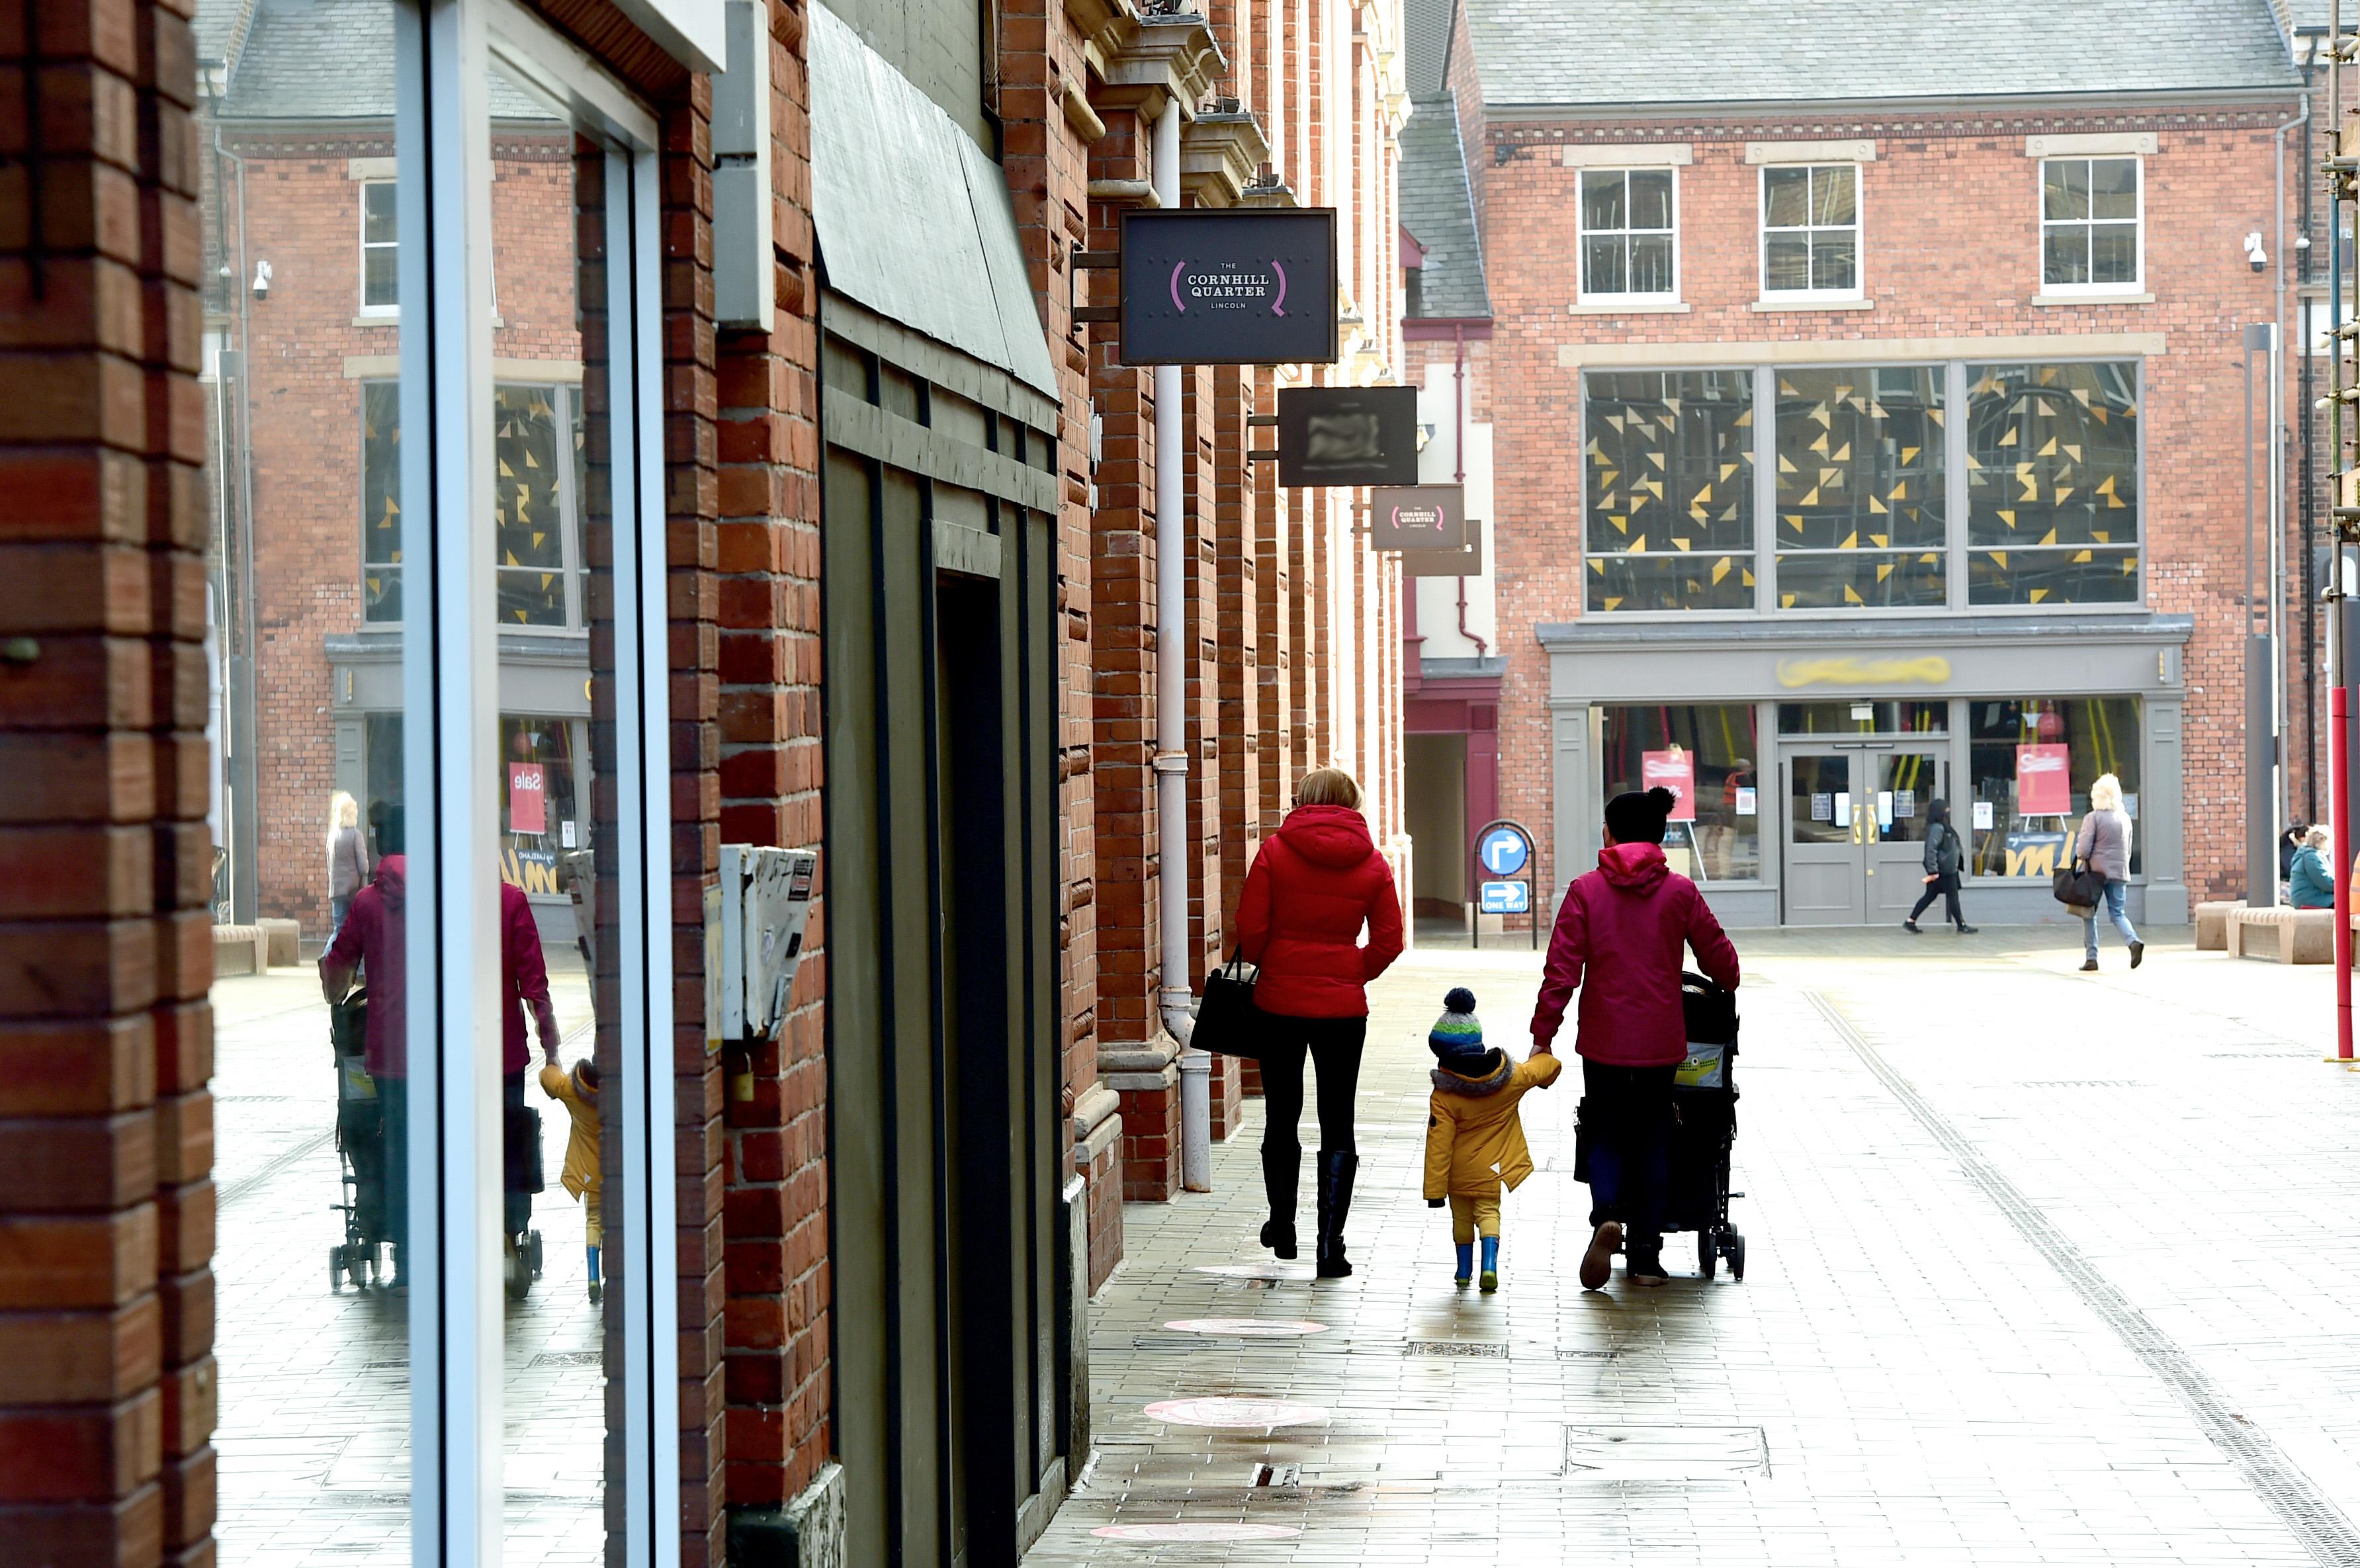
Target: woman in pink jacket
point(1626, 925)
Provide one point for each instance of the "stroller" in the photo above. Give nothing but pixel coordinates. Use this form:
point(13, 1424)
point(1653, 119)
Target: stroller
point(360, 1149)
point(1704, 1128)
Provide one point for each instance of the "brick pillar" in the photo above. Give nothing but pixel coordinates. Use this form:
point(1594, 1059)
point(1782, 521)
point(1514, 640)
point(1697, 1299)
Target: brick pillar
point(108, 1388)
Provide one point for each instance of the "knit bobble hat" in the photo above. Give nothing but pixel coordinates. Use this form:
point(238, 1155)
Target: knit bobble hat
point(1457, 1033)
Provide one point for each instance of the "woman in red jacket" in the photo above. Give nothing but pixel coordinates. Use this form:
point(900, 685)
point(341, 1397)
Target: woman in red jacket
point(1316, 883)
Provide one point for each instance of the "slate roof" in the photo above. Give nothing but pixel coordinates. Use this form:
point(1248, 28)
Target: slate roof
point(1426, 43)
point(324, 59)
point(1597, 53)
point(1438, 210)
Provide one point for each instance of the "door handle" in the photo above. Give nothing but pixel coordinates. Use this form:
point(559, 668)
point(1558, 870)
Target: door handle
point(1857, 812)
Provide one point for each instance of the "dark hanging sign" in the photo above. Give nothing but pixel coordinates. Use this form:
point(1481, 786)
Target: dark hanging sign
point(1465, 562)
point(1253, 286)
point(1347, 435)
point(1418, 517)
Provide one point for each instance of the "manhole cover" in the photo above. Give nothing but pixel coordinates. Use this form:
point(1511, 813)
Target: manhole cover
point(1249, 1328)
point(570, 1358)
point(1665, 1452)
point(1256, 1271)
point(1243, 1413)
point(1564, 1354)
point(1196, 1529)
point(1477, 1349)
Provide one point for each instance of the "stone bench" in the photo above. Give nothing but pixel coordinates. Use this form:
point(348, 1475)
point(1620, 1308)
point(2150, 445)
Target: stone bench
point(2212, 925)
point(282, 942)
point(238, 950)
point(2294, 936)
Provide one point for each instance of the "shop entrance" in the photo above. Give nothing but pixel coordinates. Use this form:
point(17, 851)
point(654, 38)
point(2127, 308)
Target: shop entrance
point(1855, 828)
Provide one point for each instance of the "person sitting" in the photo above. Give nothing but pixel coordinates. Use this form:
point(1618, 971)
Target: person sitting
point(2310, 881)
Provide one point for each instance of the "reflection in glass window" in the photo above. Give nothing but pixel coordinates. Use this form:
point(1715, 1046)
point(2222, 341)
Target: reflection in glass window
point(382, 500)
point(1628, 240)
point(2099, 735)
point(539, 819)
point(380, 253)
point(1715, 743)
point(1860, 487)
point(1811, 230)
point(1669, 460)
point(2089, 223)
point(2053, 484)
point(1863, 718)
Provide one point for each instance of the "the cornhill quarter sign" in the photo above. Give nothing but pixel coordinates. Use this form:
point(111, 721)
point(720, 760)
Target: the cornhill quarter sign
point(1228, 287)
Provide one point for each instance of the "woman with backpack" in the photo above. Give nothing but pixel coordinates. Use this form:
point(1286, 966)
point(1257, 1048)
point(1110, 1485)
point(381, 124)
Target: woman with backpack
point(1945, 858)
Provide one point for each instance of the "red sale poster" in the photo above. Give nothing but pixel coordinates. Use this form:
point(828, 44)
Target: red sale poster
point(528, 799)
point(1674, 770)
point(2043, 786)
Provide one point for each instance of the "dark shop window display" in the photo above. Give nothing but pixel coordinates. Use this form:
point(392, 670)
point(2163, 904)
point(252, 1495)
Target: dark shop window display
point(1668, 460)
point(2053, 484)
point(2013, 820)
point(1863, 718)
point(1859, 488)
point(1714, 747)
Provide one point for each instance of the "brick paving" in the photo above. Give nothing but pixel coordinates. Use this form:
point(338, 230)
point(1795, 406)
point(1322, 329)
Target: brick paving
point(1905, 1376)
point(313, 1433)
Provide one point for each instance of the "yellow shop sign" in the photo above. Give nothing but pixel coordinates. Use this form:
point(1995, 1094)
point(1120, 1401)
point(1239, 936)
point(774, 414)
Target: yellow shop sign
point(1932, 670)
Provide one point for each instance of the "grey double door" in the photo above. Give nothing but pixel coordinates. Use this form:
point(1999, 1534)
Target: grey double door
point(1853, 834)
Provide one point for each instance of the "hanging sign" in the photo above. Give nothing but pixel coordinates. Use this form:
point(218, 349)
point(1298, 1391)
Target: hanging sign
point(1674, 770)
point(1417, 517)
point(1232, 286)
point(528, 799)
point(1347, 435)
point(1466, 561)
point(2043, 786)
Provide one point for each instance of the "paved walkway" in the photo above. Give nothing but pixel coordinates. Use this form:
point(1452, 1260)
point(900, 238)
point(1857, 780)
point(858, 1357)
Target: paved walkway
point(2044, 1268)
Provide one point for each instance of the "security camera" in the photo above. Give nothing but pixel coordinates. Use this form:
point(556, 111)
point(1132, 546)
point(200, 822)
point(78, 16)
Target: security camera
point(2256, 257)
point(262, 279)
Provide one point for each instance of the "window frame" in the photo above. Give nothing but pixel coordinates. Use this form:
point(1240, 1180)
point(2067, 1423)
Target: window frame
point(391, 311)
point(1858, 228)
point(1582, 232)
point(2042, 222)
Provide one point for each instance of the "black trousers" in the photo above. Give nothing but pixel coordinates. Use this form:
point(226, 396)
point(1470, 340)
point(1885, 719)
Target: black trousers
point(1627, 1114)
point(1947, 889)
point(1335, 1048)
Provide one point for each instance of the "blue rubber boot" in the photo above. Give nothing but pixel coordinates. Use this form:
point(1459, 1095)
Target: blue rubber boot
point(598, 1289)
point(1491, 1263)
point(1466, 1276)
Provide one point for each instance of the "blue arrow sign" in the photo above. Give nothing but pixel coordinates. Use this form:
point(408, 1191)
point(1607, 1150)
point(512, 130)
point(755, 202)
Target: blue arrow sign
point(1507, 897)
point(1503, 852)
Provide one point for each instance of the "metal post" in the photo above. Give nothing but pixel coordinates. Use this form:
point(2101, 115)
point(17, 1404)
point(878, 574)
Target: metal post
point(2261, 684)
point(2339, 768)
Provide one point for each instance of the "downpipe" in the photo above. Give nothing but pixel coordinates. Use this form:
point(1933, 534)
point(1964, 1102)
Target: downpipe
point(1172, 730)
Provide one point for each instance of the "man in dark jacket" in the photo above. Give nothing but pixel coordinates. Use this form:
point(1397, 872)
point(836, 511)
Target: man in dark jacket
point(1626, 925)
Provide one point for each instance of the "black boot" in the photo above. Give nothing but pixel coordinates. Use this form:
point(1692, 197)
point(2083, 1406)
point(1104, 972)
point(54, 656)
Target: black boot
point(1280, 1167)
point(1336, 1172)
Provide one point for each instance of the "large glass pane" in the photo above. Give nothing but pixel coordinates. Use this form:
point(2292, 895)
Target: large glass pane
point(1669, 473)
point(1651, 199)
point(1651, 263)
point(1602, 271)
point(1818, 805)
point(2053, 483)
point(2023, 815)
point(1835, 262)
point(379, 249)
point(530, 529)
point(1602, 199)
point(1785, 197)
point(380, 501)
point(2065, 254)
point(2065, 188)
point(1863, 718)
point(1834, 200)
point(1786, 263)
point(2113, 253)
point(1860, 488)
point(1905, 784)
point(2113, 187)
point(1715, 833)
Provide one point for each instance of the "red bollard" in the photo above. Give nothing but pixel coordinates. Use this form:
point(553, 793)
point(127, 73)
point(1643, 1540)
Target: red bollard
point(2338, 721)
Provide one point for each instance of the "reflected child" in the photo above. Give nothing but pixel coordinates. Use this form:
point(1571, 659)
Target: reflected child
point(578, 1091)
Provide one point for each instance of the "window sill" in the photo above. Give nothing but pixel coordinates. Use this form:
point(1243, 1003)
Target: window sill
point(2046, 300)
point(1810, 304)
point(1637, 305)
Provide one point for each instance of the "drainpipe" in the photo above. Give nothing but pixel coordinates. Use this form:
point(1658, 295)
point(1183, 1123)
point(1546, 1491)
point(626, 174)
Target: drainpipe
point(1459, 462)
point(2284, 791)
point(1172, 727)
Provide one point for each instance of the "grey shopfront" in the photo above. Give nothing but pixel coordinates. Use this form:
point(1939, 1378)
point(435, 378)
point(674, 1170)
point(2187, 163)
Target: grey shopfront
point(1812, 752)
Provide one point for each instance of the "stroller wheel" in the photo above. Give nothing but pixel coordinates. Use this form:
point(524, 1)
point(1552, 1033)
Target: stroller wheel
point(519, 1270)
point(533, 1250)
point(335, 1269)
point(1736, 1256)
point(1708, 1253)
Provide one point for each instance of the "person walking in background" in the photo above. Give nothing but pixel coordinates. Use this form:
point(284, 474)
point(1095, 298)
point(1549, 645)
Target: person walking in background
point(1315, 885)
point(2310, 881)
point(372, 944)
point(1474, 1138)
point(348, 858)
point(2105, 843)
point(1946, 855)
point(1624, 926)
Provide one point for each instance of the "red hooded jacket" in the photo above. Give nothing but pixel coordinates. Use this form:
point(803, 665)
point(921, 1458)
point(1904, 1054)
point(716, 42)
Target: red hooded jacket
point(1625, 923)
point(1315, 883)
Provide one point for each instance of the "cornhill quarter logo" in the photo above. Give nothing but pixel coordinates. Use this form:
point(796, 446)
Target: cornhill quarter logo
point(1226, 285)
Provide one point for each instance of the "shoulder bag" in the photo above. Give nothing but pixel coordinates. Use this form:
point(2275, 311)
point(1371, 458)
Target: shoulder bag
point(1227, 1019)
point(2079, 887)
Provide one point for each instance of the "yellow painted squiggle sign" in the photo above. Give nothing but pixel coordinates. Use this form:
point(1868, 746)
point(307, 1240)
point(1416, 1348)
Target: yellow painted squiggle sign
point(1932, 670)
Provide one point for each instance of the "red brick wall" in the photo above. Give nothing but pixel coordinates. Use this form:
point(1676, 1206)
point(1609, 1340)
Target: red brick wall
point(1950, 250)
point(107, 1391)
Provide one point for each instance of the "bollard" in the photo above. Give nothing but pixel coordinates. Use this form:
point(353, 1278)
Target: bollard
point(1196, 1120)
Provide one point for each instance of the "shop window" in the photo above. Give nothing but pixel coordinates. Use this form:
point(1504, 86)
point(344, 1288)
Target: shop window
point(2089, 225)
point(1669, 470)
point(539, 819)
point(2053, 484)
point(1706, 753)
point(380, 249)
point(1859, 488)
point(381, 501)
point(1630, 240)
point(2033, 761)
point(1863, 718)
point(1811, 231)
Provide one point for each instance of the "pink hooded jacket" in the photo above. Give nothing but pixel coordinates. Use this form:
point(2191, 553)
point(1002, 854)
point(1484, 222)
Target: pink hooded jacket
point(1625, 923)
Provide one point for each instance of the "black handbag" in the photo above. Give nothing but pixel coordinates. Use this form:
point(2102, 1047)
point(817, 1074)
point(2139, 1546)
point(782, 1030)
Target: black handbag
point(1227, 1019)
point(2079, 887)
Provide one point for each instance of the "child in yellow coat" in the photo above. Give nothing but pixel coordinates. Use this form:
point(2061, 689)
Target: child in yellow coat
point(1474, 1137)
point(578, 1091)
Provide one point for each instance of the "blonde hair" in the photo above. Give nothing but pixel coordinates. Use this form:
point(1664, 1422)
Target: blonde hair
point(344, 811)
point(2106, 793)
point(2317, 835)
point(1327, 786)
